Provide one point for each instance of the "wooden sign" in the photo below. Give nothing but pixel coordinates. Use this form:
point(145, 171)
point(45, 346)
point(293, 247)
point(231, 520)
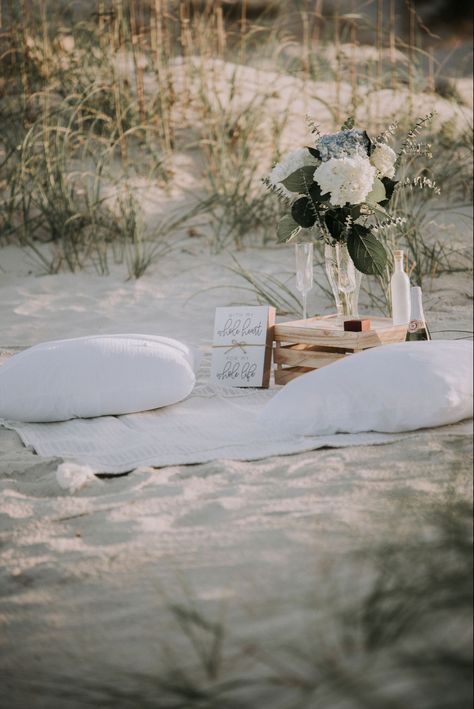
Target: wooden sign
point(242, 346)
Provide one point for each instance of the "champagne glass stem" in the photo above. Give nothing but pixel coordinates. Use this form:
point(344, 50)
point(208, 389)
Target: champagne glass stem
point(304, 271)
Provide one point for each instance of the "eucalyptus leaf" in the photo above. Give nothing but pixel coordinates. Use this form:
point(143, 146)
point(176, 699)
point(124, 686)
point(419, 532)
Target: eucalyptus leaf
point(286, 229)
point(301, 180)
point(368, 254)
point(303, 213)
point(377, 194)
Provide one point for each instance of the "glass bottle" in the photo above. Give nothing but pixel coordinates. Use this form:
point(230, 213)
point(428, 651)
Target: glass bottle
point(417, 329)
point(400, 291)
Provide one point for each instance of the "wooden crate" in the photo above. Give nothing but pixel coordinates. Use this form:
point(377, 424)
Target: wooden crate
point(304, 345)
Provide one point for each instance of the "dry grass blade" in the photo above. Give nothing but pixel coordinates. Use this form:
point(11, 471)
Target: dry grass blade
point(269, 290)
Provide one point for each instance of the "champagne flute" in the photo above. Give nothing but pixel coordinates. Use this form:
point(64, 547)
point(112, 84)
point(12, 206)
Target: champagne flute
point(304, 271)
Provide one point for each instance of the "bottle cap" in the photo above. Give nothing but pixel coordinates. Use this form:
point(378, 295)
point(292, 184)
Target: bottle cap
point(398, 254)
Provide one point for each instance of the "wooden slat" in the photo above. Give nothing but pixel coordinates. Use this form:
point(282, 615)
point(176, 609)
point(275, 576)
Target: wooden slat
point(267, 363)
point(382, 333)
point(300, 356)
point(313, 336)
point(283, 376)
point(331, 322)
point(396, 334)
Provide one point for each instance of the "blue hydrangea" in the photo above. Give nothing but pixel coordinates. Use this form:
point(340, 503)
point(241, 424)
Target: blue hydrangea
point(344, 144)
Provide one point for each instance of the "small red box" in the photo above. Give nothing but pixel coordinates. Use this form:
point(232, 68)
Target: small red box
point(356, 325)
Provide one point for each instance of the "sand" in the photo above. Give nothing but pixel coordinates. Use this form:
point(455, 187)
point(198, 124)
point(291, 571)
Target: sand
point(93, 583)
point(87, 579)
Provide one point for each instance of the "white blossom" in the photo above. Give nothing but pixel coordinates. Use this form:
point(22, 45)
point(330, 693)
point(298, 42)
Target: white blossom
point(290, 164)
point(383, 159)
point(348, 180)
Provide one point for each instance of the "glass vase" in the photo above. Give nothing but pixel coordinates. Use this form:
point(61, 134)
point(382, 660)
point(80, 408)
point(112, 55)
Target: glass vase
point(304, 271)
point(344, 280)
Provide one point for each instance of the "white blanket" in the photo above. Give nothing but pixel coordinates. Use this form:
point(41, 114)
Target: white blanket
point(212, 424)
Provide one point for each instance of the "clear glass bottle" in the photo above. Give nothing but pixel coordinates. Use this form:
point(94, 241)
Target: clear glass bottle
point(400, 291)
point(417, 329)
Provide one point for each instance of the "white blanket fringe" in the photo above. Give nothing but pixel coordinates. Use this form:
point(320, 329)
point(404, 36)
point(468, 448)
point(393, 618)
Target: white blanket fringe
point(73, 477)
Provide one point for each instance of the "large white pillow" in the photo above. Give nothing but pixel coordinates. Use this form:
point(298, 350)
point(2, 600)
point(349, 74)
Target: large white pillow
point(390, 388)
point(95, 376)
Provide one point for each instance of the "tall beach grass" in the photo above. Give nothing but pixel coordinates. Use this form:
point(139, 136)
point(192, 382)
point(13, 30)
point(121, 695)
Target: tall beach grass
point(92, 103)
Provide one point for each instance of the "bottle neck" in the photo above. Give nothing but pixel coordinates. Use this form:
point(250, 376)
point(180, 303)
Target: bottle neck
point(417, 305)
point(399, 265)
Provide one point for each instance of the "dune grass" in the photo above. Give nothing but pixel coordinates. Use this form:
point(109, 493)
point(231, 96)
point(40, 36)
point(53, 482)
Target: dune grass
point(88, 103)
point(387, 642)
point(389, 625)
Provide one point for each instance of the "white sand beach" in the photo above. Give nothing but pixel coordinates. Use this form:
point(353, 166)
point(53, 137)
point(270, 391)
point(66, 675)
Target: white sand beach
point(88, 579)
point(294, 581)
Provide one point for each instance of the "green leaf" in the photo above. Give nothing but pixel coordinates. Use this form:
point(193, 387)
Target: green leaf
point(315, 153)
point(368, 254)
point(316, 195)
point(378, 193)
point(354, 210)
point(370, 149)
point(301, 180)
point(286, 229)
point(336, 223)
point(389, 187)
point(303, 213)
point(295, 237)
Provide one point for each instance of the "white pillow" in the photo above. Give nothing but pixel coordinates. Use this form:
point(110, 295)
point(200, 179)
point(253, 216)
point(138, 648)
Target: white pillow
point(390, 388)
point(95, 376)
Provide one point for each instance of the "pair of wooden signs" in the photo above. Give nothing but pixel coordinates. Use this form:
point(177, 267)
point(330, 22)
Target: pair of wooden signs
point(242, 346)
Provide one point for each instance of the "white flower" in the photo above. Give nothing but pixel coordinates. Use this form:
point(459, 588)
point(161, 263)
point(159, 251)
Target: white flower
point(290, 164)
point(348, 180)
point(383, 159)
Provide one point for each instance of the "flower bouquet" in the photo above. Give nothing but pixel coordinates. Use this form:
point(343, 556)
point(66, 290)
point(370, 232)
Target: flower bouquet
point(339, 190)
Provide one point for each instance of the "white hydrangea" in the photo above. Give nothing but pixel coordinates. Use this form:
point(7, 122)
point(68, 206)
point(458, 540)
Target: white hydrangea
point(348, 180)
point(290, 164)
point(383, 159)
